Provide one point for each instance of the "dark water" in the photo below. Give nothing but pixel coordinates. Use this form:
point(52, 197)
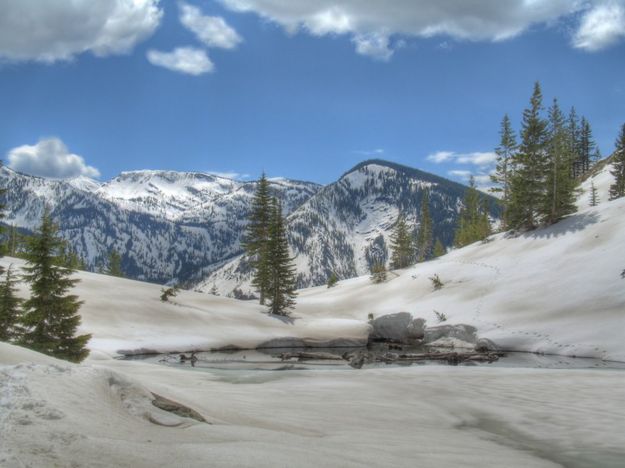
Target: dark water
point(270, 360)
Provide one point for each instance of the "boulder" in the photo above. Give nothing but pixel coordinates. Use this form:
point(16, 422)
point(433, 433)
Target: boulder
point(461, 332)
point(392, 327)
point(484, 345)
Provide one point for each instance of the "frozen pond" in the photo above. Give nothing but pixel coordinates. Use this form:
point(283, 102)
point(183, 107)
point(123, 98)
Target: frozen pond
point(232, 365)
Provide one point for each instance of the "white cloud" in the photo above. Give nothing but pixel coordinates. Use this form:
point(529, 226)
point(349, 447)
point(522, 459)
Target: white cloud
point(213, 31)
point(49, 158)
point(372, 23)
point(482, 179)
point(48, 31)
point(188, 60)
point(476, 158)
point(229, 175)
point(370, 153)
point(601, 26)
point(374, 45)
point(440, 156)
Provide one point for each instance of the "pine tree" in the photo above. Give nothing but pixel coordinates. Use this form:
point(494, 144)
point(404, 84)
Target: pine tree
point(424, 238)
point(617, 189)
point(527, 184)
point(439, 248)
point(586, 147)
point(10, 308)
point(115, 264)
point(573, 143)
point(51, 315)
point(594, 195)
point(473, 224)
point(401, 245)
point(378, 272)
point(560, 186)
point(504, 169)
point(282, 280)
point(257, 238)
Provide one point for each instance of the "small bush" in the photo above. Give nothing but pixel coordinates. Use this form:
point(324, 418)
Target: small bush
point(436, 282)
point(166, 294)
point(332, 280)
point(378, 273)
point(370, 317)
point(441, 317)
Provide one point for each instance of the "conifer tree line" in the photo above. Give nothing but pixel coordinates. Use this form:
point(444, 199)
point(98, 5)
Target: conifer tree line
point(538, 175)
point(617, 189)
point(48, 320)
point(473, 224)
point(267, 249)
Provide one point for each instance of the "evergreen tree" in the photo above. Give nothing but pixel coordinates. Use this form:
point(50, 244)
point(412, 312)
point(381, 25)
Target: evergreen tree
point(527, 184)
point(51, 315)
point(401, 245)
point(617, 189)
point(282, 280)
point(115, 264)
point(473, 224)
point(560, 186)
point(10, 308)
point(573, 143)
point(378, 272)
point(332, 280)
point(14, 241)
point(594, 196)
point(586, 147)
point(439, 248)
point(424, 238)
point(504, 169)
point(257, 238)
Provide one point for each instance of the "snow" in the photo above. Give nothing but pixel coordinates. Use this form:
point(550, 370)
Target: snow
point(554, 290)
point(100, 414)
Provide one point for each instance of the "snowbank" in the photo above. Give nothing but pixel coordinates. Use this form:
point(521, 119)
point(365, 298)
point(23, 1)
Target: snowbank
point(59, 414)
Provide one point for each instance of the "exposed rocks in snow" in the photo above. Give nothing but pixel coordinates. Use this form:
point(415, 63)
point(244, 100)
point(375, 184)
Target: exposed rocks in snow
point(451, 343)
point(177, 408)
point(484, 345)
point(392, 327)
point(294, 342)
point(466, 333)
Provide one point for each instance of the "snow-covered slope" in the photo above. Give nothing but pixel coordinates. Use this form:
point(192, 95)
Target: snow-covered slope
point(346, 226)
point(168, 226)
point(554, 290)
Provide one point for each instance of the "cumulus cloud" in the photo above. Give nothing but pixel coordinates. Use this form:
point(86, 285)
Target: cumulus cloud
point(188, 60)
point(601, 26)
point(213, 31)
point(476, 158)
point(49, 158)
point(372, 23)
point(482, 179)
point(48, 31)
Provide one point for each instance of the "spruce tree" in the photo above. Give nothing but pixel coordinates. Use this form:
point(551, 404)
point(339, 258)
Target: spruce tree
point(594, 195)
point(473, 223)
point(10, 308)
point(573, 143)
point(586, 147)
point(560, 186)
point(401, 245)
point(282, 280)
point(527, 184)
point(115, 264)
point(439, 248)
point(50, 316)
point(257, 238)
point(504, 169)
point(424, 238)
point(617, 189)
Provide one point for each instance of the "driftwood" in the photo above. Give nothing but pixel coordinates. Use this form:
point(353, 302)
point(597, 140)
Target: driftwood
point(450, 358)
point(308, 356)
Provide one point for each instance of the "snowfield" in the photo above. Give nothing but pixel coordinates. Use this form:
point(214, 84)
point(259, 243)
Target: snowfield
point(555, 290)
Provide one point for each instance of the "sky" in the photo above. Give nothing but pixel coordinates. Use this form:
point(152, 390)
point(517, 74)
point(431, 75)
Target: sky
point(296, 88)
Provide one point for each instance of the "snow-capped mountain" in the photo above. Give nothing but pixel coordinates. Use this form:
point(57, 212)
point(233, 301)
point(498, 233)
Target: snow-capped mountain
point(168, 226)
point(346, 226)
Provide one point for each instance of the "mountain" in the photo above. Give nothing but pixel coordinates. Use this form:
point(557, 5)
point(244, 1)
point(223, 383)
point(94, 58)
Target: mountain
point(346, 226)
point(168, 226)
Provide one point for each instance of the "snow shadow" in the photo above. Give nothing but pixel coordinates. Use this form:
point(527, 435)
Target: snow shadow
point(573, 223)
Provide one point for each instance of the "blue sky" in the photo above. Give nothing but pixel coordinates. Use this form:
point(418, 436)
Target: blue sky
point(299, 89)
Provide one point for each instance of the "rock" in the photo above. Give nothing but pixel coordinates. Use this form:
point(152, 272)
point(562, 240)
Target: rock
point(484, 345)
point(416, 329)
point(451, 343)
point(462, 332)
point(392, 327)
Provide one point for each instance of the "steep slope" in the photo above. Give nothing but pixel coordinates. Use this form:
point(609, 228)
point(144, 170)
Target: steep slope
point(346, 226)
point(168, 226)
